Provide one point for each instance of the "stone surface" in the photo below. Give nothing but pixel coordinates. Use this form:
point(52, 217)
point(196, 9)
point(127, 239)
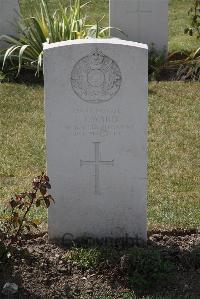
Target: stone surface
point(9, 12)
point(96, 135)
point(144, 21)
point(10, 289)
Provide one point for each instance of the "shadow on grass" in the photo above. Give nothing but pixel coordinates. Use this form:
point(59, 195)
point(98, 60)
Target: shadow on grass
point(152, 91)
point(26, 77)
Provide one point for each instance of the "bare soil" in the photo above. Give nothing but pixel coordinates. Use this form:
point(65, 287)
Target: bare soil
point(41, 269)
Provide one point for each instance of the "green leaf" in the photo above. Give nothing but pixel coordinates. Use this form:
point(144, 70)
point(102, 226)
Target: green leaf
point(38, 202)
point(13, 203)
point(65, 23)
point(43, 190)
point(47, 201)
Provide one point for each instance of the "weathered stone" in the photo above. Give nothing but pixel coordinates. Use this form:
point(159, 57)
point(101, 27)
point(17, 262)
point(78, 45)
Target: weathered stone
point(144, 21)
point(9, 13)
point(96, 134)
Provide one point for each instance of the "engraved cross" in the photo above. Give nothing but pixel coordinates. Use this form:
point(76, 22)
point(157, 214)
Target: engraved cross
point(97, 162)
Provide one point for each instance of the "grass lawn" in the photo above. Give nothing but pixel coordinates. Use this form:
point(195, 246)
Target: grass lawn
point(178, 20)
point(174, 143)
point(174, 111)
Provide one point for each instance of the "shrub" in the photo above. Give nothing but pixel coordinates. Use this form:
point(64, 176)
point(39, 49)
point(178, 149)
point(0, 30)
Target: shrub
point(194, 13)
point(156, 63)
point(187, 65)
point(16, 218)
point(66, 23)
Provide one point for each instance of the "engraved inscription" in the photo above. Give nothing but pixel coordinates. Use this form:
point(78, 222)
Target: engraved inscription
point(98, 122)
point(97, 162)
point(96, 78)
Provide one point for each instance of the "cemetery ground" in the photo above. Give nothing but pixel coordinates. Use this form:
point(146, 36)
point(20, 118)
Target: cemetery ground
point(169, 267)
point(171, 262)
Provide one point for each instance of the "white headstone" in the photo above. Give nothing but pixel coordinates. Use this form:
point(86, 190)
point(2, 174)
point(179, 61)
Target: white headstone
point(9, 12)
point(144, 21)
point(96, 134)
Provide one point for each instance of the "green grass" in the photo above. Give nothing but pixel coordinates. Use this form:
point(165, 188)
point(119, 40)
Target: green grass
point(22, 138)
point(94, 11)
point(178, 20)
point(174, 143)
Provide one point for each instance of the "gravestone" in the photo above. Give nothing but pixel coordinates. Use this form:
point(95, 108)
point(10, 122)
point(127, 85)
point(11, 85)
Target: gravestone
point(96, 137)
point(9, 12)
point(144, 21)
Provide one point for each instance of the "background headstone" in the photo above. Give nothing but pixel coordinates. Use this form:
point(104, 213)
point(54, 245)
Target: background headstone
point(144, 21)
point(9, 12)
point(96, 134)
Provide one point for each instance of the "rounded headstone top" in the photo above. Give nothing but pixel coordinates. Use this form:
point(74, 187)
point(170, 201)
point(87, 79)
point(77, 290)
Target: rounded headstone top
point(94, 42)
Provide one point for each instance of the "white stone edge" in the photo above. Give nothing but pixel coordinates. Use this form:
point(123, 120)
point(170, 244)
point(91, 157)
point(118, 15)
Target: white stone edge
point(112, 41)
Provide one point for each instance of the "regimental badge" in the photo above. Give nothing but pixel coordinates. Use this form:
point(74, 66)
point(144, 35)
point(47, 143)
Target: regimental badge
point(96, 78)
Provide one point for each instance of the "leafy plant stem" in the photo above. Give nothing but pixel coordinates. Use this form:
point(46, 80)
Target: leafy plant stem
point(24, 218)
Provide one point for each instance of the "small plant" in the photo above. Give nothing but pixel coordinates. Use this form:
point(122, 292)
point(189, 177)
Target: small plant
point(194, 13)
point(2, 77)
point(4, 254)
point(156, 62)
point(85, 258)
point(147, 268)
point(66, 23)
point(17, 220)
point(187, 65)
point(191, 259)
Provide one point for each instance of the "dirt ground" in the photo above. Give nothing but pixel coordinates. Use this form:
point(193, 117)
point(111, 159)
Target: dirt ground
point(41, 269)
